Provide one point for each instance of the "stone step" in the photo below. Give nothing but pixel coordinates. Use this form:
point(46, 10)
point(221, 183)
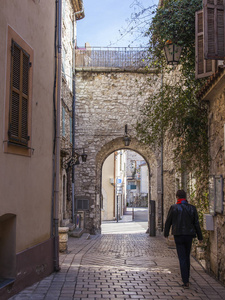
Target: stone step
point(71, 226)
point(86, 236)
point(65, 222)
point(77, 232)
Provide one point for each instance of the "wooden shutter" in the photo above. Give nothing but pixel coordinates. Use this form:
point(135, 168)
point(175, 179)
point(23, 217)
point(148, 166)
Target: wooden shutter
point(203, 68)
point(18, 115)
point(214, 22)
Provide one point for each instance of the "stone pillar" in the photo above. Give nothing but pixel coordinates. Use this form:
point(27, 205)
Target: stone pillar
point(63, 238)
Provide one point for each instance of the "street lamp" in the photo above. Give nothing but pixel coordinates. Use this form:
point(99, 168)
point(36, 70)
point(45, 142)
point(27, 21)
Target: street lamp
point(126, 138)
point(84, 156)
point(71, 158)
point(172, 53)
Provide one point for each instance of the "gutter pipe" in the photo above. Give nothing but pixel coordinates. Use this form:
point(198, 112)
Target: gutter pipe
point(162, 188)
point(54, 126)
point(73, 115)
point(73, 123)
point(57, 159)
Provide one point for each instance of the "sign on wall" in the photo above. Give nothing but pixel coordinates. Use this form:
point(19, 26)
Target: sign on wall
point(215, 194)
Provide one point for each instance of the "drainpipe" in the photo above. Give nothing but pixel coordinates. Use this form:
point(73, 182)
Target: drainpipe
point(162, 189)
point(54, 126)
point(73, 114)
point(57, 159)
point(73, 123)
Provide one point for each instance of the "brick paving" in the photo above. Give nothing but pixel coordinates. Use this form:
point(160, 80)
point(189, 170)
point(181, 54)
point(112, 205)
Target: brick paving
point(122, 266)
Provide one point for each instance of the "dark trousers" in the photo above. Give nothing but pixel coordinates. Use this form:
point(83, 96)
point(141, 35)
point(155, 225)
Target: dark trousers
point(183, 245)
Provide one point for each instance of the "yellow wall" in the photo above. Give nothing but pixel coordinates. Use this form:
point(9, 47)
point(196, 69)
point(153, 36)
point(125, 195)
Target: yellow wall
point(108, 189)
point(26, 181)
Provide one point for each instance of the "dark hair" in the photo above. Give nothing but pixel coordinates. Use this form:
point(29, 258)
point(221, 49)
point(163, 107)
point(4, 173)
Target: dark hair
point(181, 194)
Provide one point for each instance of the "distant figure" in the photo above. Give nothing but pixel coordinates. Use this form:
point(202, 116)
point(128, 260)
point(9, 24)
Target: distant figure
point(183, 218)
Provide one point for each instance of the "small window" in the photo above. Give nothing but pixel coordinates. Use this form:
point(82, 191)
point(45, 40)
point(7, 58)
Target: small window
point(82, 204)
point(18, 95)
point(71, 79)
point(71, 131)
point(63, 122)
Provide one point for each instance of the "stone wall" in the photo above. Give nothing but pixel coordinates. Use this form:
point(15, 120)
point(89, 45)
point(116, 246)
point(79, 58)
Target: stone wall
point(65, 195)
point(105, 102)
point(216, 97)
point(217, 167)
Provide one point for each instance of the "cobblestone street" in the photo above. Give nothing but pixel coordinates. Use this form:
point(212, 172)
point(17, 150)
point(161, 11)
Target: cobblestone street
point(122, 266)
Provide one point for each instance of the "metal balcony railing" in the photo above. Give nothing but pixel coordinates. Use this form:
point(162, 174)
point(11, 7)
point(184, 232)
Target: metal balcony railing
point(118, 57)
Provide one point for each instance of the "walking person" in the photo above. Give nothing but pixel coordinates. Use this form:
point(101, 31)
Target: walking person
point(183, 218)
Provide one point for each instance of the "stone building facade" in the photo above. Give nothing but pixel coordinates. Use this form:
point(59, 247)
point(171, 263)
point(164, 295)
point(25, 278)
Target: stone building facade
point(106, 100)
point(72, 11)
point(214, 93)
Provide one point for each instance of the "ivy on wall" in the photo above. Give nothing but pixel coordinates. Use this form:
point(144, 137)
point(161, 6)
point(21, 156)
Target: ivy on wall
point(174, 111)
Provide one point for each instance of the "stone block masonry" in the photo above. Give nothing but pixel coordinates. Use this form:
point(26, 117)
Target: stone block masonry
point(105, 102)
point(126, 266)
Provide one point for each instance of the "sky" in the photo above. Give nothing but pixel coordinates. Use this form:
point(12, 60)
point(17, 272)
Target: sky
point(108, 23)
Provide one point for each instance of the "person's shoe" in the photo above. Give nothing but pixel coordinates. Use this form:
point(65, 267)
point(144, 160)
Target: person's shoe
point(186, 285)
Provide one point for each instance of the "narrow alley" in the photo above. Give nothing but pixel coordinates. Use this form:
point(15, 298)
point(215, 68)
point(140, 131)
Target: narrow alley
point(125, 265)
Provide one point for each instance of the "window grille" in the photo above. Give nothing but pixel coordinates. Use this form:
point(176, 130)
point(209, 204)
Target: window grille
point(82, 204)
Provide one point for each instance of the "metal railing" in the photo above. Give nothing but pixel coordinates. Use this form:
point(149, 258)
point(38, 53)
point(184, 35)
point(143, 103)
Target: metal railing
point(108, 57)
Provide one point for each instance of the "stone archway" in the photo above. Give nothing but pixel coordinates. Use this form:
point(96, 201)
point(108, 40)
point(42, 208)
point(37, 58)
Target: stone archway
point(105, 102)
point(115, 145)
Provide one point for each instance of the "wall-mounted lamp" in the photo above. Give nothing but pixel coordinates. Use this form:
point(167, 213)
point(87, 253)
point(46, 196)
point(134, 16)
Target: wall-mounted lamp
point(172, 53)
point(126, 138)
point(84, 156)
point(72, 158)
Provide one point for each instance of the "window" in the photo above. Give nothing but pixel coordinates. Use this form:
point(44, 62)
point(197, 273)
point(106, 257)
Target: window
point(64, 197)
point(71, 131)
point(214, 21)
point(71, 79)
point(18, 95)
point(82, 204)
point(63, 122)
point(203, 67)
point(210, 41)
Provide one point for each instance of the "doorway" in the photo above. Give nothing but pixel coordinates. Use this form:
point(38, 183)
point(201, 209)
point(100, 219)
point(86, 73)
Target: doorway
point(125, 193)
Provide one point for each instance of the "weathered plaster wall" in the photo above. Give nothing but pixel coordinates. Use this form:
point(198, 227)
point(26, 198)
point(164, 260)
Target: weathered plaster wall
point(26, 182)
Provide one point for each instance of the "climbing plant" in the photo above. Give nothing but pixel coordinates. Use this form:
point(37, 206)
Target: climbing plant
point(173, 110)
